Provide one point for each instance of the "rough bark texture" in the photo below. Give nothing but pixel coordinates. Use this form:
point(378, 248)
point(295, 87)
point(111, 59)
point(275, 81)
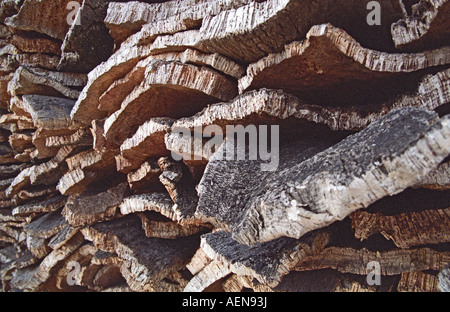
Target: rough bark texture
point(424, 27)
point(224, 145)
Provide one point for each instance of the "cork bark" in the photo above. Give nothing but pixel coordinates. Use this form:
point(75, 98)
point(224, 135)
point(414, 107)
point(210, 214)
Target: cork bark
point(120, 170)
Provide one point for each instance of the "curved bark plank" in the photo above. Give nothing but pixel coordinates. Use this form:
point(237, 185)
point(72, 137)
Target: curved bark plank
point(267, 262)
point(426, 27)
point(332, 67)
point(402, 228)
point(149, 260)
point(168, 90)
point(315, 193)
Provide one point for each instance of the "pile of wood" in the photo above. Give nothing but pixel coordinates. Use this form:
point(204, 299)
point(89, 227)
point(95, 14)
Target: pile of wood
point(94, 197)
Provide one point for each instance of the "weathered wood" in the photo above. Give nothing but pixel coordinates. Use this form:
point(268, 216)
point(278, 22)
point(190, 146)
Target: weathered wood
point(294, 208)
point(213, 272)
point(49, 113)
point(159, 202)
point(93, 206)
point(15, 123)
point(62, 237)
point(146, 178)
point(124, 19)
point(418, 282)
point(38, 246)
point(82, 256)
point(394, 262)
point(6, 154)
point(168, 83)
point(438, 179)
point(47, 17)
point(426, 26)
point(147, 142)
point(149, 260)
point(31, 278)
point(267, 262)
point(106, 258)
point(87, 43)
point(95, 113)
point(9, 8)
point(233, 33)
point(19, 182)
point(22, 261)
point(444, 280)
point(28, 44)
point(33, 192)
point(20, 141)
point(108, 276)
point(266, 106)
point(79, 138)
point(43, 82)
point(100, 78)
point(49, 205)
point(100, 143)
point(4, 96)
point(179, 184)
point(34, 60)
point(46, 226)
point(156, 225)
point(402, 228)
point(198, 262)
point(342, 68)
point(91, 160)
point(75, 181)
point(40, 136)
point(111, 100)
point(50, 172)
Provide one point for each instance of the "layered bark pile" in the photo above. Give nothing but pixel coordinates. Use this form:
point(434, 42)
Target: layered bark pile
point(101, 191)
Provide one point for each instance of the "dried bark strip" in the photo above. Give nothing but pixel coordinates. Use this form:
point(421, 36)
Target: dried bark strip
point(50, 113)
point(438, 179)
point(32, 278)
point(159, 202)
point(49, 205)
point(145, 178)
point(124, 19)
point(179, 183)
point(213, 272)
point(88, 42)
point(168, 83)
point(100, 78)
point(394, 262)
point(91, 207)
point(427, 26)
point(148, 141)
point(260, 28)
point(267, 262)
point(43, 82)
point(338, 60)
point(149, 260)
point(159, 226)
point(292, 202)
point(46, 226)
point(418, 282)
point(75, 181)
point(402, 229)
point(47, 17)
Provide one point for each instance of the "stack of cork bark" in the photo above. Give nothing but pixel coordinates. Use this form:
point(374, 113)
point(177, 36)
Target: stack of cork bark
point(101, 191)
